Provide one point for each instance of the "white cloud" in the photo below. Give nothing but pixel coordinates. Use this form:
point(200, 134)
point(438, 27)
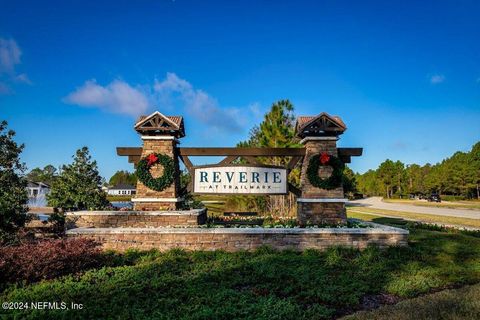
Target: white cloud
point(255, 109)
point(116, 97)
point(22, 78)
point(173, 91)
point(10, 55)
point(437, 78)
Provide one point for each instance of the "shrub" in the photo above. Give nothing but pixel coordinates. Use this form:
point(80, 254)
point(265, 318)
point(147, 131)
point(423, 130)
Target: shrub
point(13, 191)
point(447, 197)
point(119, 198)
point(47, 259)
point(78, 185)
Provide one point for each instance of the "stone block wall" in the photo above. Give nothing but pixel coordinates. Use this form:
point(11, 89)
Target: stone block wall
point(154, 206)
point(235, 239)
point(319, 213)
point(136, 219)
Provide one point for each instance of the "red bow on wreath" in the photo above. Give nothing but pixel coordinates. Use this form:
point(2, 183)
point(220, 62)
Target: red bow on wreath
point(151, 159)
point(324, 158)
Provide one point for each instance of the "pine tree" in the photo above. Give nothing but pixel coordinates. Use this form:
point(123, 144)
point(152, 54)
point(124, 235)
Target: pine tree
point(46, 175)
point(13, 193)
point(78, 185)
point(474, 164)
point(386, 174)
point(349, 181)
point(277, 130)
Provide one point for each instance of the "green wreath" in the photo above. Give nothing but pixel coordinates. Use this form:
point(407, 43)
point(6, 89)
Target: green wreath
point(144, 175)
point(332, 182)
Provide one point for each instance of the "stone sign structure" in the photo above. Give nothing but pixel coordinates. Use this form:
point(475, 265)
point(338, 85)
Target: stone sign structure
point(319, 135)
point(159, 201)
point(160, 135)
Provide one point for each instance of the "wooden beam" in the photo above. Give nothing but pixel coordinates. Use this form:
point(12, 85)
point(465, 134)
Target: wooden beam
point(345, 159)
point(294, 190)
point(137, 151)
point(188, 164)
point(272, 152)
point(183, 191)
point(353, 152)
point(129, 151)
point(293, 162)
point(344, 154)
point(133, 159)
point(228, 160)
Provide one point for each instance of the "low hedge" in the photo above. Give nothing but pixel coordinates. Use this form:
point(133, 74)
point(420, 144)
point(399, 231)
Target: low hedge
point(119, 198)
point(47, 259)
point(447, 197)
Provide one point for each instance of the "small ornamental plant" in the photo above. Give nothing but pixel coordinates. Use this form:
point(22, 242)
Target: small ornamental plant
point(145, 176)
point(324, 159)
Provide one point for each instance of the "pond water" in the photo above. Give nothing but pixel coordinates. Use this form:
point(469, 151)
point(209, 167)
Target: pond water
point(38, 201)
point(122, 204)
point(43, 217)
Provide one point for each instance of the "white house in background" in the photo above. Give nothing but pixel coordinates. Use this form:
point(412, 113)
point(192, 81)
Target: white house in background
point(37, 189)
point(37, 192)
point(121, 190)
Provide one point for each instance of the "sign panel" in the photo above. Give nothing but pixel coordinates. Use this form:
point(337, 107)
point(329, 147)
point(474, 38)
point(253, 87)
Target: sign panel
point(240, 179)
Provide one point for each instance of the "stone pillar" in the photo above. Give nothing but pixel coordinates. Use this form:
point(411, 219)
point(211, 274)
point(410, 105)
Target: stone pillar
point(150, 200)
point(320, 206)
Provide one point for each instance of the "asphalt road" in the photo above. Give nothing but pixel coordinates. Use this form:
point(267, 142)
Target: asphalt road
point(377, 203)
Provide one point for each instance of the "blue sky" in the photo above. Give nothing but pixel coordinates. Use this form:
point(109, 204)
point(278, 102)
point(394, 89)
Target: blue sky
point(403, 75)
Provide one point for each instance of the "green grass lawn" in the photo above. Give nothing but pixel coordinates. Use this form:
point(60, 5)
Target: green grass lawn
point(367, 213)
point(215, 204)
point(119, 198)
point(472, 204)
point(463, 303)
point(264, 284)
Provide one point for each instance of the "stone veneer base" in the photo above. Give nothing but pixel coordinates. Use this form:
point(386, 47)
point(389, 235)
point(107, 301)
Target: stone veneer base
point(136, 219)
point(235, 239)
point(318, 213)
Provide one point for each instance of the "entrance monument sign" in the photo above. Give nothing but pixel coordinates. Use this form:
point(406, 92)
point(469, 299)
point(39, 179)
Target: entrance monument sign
point(320, 196)
point(160, 219)
point(240, 180)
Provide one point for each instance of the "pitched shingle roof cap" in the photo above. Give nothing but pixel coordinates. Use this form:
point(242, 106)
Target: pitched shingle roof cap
point(304, 121)
point(174, 120)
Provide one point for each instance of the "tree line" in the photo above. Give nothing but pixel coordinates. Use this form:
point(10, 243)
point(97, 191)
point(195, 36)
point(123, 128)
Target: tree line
point(457, 176)
point(49, 173)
